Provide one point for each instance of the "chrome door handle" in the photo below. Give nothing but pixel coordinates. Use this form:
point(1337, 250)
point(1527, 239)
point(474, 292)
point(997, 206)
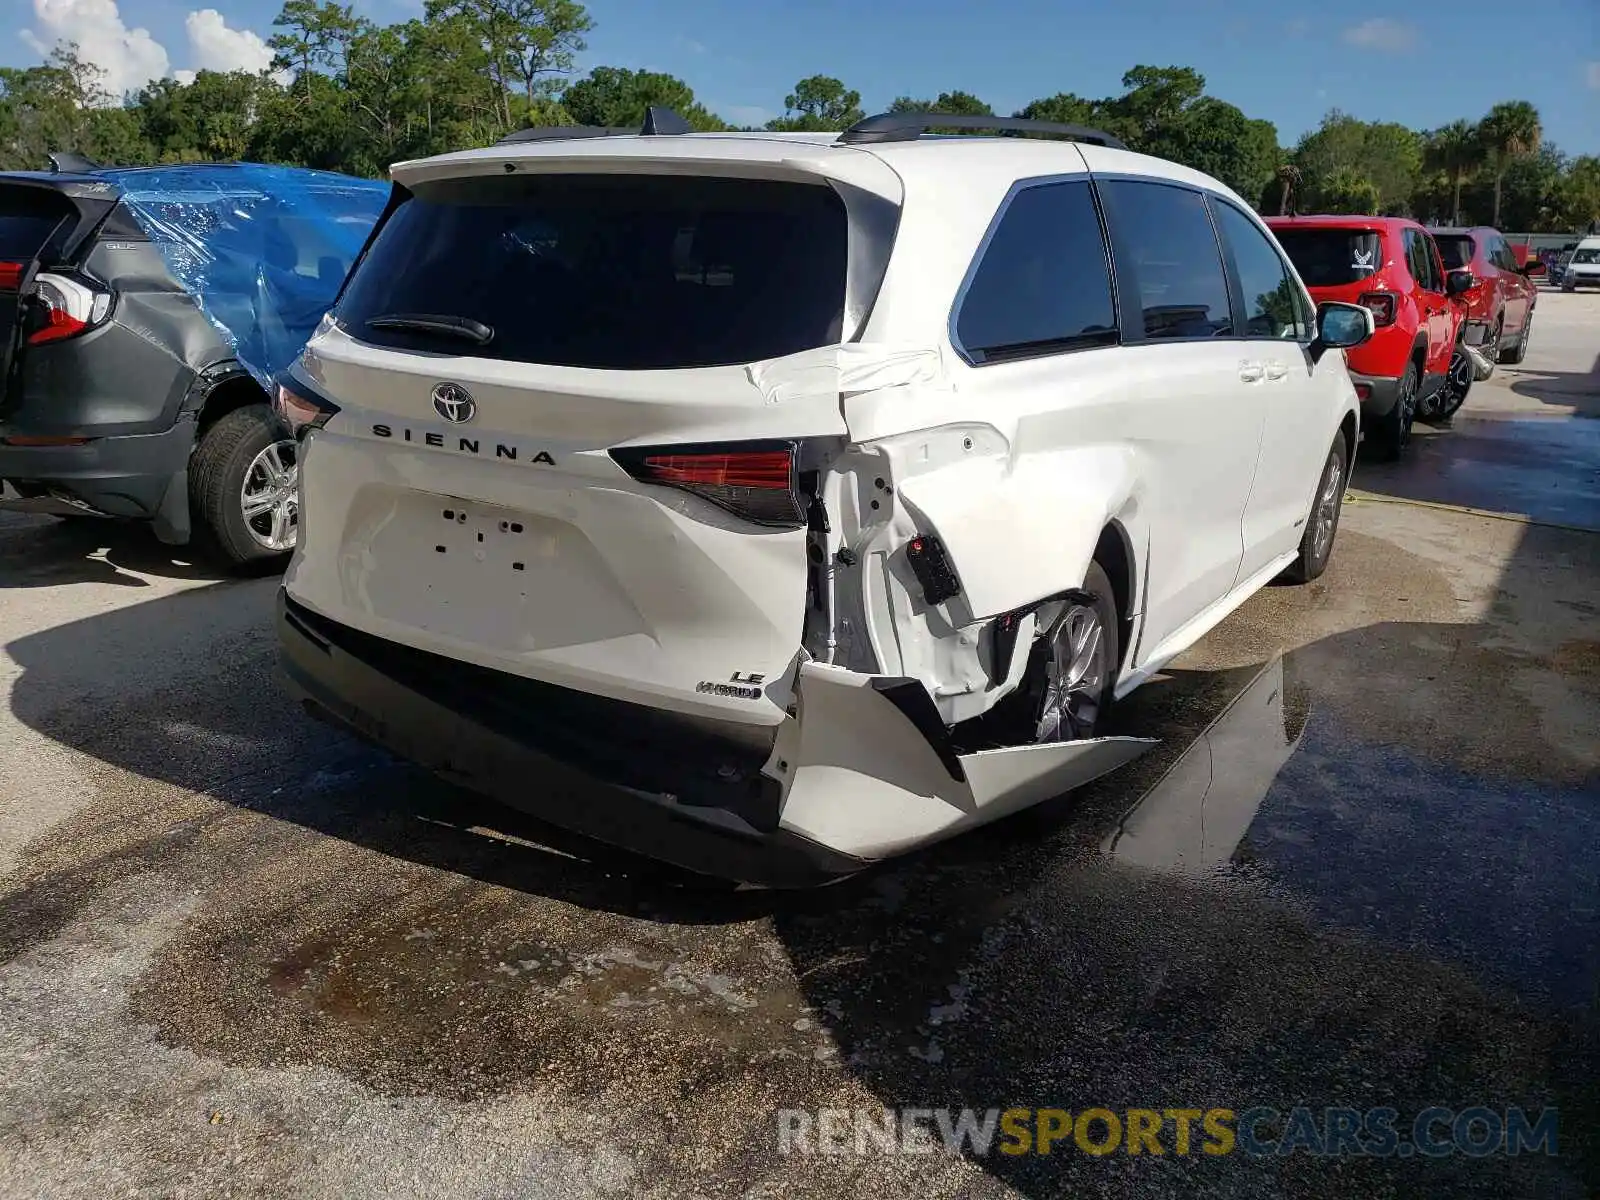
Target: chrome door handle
point(1250, 372)
point(1276, 370)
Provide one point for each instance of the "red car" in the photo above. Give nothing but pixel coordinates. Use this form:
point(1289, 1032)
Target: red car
point(1500, 305)
point(1411, 364)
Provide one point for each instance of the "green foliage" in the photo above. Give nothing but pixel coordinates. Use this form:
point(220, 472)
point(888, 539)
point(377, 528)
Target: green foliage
point(349, 94)
point(1346, 190)
point(1386, 155)
point(617, 98)
point(819, 102)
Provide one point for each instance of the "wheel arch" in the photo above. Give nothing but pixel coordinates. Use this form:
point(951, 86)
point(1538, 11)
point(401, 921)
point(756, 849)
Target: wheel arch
point(235, 389)
point(1115, 554)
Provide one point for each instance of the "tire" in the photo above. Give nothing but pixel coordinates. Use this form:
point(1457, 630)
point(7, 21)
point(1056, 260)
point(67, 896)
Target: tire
point(1520, 351)
point(1322, 525)
point(1022, 718)
point(1496, 343)
point(1390, 434)
point(233, 452)
point(1447, 401)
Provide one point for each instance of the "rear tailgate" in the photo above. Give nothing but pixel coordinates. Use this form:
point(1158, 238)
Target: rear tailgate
point(43, 222)
point(552, 455)
point(1334, 262)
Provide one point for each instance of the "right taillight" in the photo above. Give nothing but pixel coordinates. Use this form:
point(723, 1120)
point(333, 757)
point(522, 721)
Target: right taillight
point(1382, 306)
point(65, 308)
point(753, 480)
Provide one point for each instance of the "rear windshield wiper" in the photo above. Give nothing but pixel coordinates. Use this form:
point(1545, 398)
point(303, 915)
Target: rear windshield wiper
point(440, 323)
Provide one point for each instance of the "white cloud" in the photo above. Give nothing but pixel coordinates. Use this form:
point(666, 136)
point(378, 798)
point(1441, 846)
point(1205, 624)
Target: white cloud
point(1593, 73)
point(1383, 34)
point(130, 58)
point(689, 44)
point(213, 46)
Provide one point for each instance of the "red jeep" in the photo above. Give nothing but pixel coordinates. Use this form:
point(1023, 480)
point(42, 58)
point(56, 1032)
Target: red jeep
point(1411, 365)
point(1500, 305)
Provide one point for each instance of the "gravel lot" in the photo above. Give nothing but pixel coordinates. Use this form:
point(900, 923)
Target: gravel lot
point(243, 955)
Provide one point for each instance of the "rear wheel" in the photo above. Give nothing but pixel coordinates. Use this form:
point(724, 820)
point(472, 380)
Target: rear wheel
point(1390, 434)
point(244, 488)
point(1072, 668)
point(1322, 525)
point(1519, 351)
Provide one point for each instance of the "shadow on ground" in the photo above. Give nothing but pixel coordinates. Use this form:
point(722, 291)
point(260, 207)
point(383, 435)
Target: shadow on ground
point(1371, 881)
point(46, 551)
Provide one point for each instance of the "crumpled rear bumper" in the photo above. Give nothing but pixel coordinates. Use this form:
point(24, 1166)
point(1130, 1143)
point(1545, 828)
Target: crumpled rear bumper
point(862, 771)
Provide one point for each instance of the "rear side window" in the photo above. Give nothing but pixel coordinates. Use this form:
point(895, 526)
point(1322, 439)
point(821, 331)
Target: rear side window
point(1332, 257)
point(1273, 307)
point(1043, 284)
point(1455, 249)
point(616, 272)
point(27, 219)
point(1165, 243)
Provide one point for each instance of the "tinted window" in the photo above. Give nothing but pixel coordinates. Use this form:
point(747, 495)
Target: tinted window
point(1272, 308)
point(1332, 257)
point(633, 272)
point(1043, 284)
point(1419, 260)
point(1165, 242)
point(27, 218)
point(1504, 258)
point(1455, 249)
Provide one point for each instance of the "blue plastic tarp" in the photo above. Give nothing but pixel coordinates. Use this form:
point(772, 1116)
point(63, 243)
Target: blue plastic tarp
point(263, 250)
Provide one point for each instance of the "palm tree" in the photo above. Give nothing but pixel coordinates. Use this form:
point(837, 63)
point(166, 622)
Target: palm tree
point(1458, 151)
point(1510, 131)
point(1288, 177)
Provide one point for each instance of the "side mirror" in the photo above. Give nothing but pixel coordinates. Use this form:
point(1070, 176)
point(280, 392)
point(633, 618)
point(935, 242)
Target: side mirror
point(1458, 282)
point(1341, 326)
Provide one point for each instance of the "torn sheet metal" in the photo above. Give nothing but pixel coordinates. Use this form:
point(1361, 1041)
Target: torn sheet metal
point(841, 370)
point(263, 250)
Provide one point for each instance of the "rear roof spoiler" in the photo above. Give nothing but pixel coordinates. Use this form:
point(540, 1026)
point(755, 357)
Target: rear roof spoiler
point(909, 126)
point(658, 122)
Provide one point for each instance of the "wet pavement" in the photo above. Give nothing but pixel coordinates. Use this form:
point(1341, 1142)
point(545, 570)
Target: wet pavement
point(241, 954)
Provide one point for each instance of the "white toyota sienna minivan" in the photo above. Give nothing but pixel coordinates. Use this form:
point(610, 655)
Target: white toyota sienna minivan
point(772, 504)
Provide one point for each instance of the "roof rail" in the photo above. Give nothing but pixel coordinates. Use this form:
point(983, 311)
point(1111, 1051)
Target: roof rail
point(909, 126)
point(658, 122)
point(68, 162)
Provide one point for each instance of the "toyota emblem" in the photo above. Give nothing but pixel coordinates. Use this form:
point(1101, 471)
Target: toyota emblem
point(453, 402)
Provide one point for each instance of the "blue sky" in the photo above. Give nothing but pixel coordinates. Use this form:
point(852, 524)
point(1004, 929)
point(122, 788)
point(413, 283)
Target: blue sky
point(1281, 62)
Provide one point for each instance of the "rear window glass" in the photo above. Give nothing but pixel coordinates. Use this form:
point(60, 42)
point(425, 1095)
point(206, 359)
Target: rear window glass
point(624, 272)
point(1330, 257)
point(27, 218)
point(1455, 249)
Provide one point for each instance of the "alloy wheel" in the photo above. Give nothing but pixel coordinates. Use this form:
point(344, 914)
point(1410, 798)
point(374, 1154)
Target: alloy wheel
point(270, 496)
point(1326, 517)
point(1075, 676)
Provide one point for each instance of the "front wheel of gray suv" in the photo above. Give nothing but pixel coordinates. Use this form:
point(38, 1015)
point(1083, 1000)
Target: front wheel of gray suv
point(244, 488)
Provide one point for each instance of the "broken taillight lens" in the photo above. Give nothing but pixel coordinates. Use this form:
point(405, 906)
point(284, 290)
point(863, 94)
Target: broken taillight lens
point(65, 308)
point(752, 480)
point(1382, 306)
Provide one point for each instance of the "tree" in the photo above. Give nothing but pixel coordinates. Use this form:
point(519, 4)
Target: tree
point(1577, 195)
point(1387, 155)
point(1509, 132)
point(1153, 101)
point(1348, 191)
point(819, 102)
point(616, 97)
point(1213, 136)
point(1457, 151)
point(964, 103)
point(544, 37)
point(1287, 177)
point(315, 36)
